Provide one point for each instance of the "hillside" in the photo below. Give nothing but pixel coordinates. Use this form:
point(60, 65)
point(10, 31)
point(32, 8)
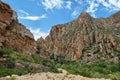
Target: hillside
point(88, 38)
point(13, 34)
point(86, 46)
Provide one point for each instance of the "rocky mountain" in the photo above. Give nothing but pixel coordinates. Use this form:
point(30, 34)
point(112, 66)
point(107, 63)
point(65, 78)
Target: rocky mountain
point(14, 35)
point(86, 38)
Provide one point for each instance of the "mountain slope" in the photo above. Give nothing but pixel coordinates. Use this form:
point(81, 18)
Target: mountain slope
point(14, 35)
point(88, 38)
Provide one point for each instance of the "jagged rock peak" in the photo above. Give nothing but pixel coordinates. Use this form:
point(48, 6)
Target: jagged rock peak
point(116, 14)
point(9, 14)
point(84, 15)
point(86, 38)
point(40, 39)
point(114, 19)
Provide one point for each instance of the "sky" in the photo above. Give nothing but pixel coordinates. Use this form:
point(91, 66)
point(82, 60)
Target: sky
point(40, 15)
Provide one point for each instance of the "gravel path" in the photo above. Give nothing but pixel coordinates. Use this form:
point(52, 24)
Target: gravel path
point(53, 76)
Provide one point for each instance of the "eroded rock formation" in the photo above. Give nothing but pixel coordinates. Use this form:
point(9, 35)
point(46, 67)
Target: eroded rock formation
point(14, 35)
point(86, 37)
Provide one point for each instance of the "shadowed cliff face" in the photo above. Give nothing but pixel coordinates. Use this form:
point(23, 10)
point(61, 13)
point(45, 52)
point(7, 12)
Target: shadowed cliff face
point(86, 38)
point(14, 35)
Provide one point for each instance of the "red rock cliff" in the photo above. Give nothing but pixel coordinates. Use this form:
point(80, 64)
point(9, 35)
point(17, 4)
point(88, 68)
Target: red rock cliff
point(84, 37)
point(13, 34)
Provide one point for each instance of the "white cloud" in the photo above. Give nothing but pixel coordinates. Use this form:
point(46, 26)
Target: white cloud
point(79, 1)
point(38, 33)
point(56, 4)
point(43, 16)
point(33, 18)
point(110, 5)
point(75, 13)
point(24, 12)
point(68, 6)
point(93, 7)
point(50, 4)
point(115, 4)
point(25, 15)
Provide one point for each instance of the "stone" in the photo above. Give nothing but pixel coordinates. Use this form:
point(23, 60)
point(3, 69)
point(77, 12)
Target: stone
point(19, 66)
point(14, 35)
point(96, 36)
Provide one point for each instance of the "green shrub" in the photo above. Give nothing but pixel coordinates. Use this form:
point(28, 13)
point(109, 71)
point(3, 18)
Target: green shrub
point(24, 57)
point(38, 50)
point(10, 62)
point(48, 62)
point(60, 58)
point(22, 71)
point(5, 71)
point(114, 67)
point(1, 53)
point(84, 72)
point(98, 75)
point(113, 77)
point(36, 59)
point(5, 51)
point(55, 70)
point(99, 69)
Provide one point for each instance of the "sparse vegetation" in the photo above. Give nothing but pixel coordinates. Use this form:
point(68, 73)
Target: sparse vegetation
point(5, 52)
point(10, 62)
point(23, 57)
point(96, 70)
point(37, 59)
point(100, 69)
point(6, 71)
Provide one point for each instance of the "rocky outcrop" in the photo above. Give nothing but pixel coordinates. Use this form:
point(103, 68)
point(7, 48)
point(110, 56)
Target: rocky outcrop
point(85, 37)
point(14, 35)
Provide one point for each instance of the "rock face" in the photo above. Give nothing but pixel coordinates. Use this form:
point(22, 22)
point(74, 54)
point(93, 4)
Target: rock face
point(14, 35)
point(87, 38)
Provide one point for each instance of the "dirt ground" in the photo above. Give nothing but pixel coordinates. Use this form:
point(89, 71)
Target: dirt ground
point(51, 76)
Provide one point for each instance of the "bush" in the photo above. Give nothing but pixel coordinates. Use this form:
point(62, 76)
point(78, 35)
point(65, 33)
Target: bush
point(113, 67)
point(1, 53)
point(60, 59)
point(84, 72)
point(97, 70)
point(5, 51)
point(55, 70)
point(36, 59)
point(5, 72)
point(47, 62)
point(10, 63)
point(24, 57)
point(115, 76)
point(98, 75)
